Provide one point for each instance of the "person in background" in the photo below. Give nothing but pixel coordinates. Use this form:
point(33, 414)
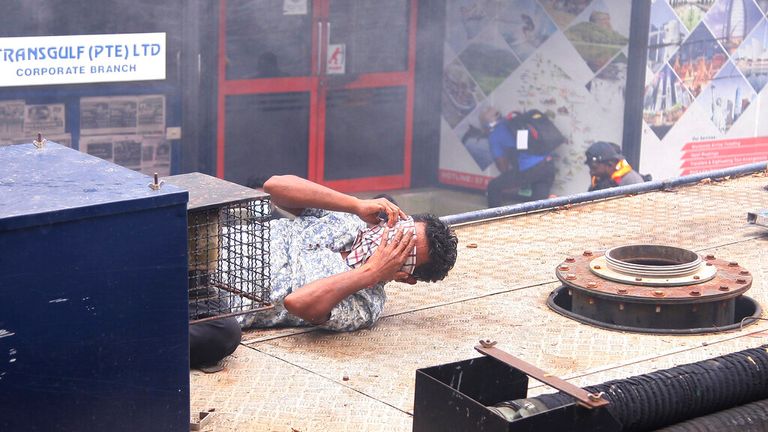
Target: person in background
point(608, 167)
point(519, 169)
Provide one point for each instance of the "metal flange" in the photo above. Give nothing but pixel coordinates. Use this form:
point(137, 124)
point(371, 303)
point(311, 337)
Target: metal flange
point(717, 280)
point(636, 290)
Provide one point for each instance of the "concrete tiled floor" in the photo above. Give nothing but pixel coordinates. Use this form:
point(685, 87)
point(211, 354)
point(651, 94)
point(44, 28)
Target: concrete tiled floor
point(309, 380)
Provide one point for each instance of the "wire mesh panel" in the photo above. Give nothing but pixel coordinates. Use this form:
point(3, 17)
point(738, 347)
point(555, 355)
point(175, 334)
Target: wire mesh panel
point(228, 247)
point(228, 259)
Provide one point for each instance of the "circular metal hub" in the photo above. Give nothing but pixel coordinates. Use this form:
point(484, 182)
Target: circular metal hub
point(653, 287)
point(652, 265)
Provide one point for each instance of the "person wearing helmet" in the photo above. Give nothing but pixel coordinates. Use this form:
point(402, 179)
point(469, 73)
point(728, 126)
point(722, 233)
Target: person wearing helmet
point(608, 167)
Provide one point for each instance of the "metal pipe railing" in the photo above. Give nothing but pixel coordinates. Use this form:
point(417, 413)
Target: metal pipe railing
point(527, 207)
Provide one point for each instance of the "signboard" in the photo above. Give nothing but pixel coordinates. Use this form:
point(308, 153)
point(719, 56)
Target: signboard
point(336, 59)
point(705, 89)
point(718, 154)
point(46, 60)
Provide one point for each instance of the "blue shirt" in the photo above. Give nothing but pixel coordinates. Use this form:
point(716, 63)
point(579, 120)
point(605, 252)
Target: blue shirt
point(306, 249)
point(501, 140)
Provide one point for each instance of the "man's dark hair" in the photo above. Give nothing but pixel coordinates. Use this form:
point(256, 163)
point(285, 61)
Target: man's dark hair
point(442, 249)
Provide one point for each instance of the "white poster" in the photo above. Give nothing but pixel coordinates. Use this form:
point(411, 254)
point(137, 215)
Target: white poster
point(99, 146)
point(148, 154)
point(46, 119)
point(294, 7)
point(122, 114)
point(47, 60)
point(12, 118)
point(336, 64)
point(150, 114)
point(104, 115)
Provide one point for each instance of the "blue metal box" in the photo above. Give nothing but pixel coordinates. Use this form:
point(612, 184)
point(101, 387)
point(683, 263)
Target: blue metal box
point(93, 296)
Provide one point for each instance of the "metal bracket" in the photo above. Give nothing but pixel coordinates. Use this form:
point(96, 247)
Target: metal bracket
point(487, 343)
point(759, 217)
point(204, 417)
point(583, 397)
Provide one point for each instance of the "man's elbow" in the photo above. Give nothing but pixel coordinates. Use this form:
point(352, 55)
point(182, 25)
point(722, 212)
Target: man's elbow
point(273, 183)
point(302, 309)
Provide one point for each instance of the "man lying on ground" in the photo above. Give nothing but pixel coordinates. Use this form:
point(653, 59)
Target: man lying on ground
point(329, 264)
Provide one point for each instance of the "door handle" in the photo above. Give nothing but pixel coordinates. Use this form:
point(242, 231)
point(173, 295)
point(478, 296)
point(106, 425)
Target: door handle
point(319, 47)
point(327, 44)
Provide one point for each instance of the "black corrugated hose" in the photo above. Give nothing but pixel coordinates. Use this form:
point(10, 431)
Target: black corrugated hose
point(662, 398)
point(752, 417)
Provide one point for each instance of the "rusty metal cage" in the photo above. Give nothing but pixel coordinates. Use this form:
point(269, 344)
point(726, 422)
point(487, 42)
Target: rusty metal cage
point(228, 247)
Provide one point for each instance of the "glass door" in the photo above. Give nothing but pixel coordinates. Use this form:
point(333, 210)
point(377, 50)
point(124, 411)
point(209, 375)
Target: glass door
point(267, 89)
point(322, 89)
point(367, 103)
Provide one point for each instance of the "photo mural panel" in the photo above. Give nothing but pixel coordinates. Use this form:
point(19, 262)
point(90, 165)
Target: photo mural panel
point(565, 58)
point(705, 86)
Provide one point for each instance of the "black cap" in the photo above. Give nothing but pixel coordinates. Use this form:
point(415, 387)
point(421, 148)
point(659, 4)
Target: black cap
point(602, 151)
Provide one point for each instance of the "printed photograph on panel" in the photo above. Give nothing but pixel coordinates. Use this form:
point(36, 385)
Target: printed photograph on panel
point(156, 155)
point(698, 59)
point(460, 93)
point(608, 88)
point(99, 146)
point(726, 98)
point(127, 151)
point(564, 11)
point(464, 20)
point(691, 12)
point(163, 153)
point(752, 57)
point(763, 5)
point(94, 115)
point(732, 20)
point(475, 140)
point(46, 119)
point(524, 26)
point(122, 114)
point(595, 38)
point(665, 101)
point(108, 115)
point(12, 119)
point(151, 114)
point(489, 60)
point(665, 35)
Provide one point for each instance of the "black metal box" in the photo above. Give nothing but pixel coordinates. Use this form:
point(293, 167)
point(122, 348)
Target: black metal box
point(455, 397)
point(93, 296)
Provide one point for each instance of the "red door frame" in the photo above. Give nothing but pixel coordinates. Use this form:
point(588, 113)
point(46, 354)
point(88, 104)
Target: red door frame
point(316, 86)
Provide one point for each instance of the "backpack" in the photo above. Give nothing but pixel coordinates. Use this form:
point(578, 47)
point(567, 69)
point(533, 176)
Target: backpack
point(543, 135)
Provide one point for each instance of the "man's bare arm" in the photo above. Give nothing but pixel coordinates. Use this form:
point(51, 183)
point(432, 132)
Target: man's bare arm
point(294, 194)
point(314, 301)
